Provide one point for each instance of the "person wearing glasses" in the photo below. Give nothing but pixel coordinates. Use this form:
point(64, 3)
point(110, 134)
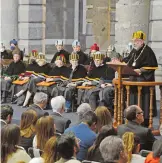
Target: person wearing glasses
point(134, 115)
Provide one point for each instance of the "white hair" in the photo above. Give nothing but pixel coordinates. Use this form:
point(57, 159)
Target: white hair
point(83, 108)
point(110, 148)
point(57, 103)
point(40, 97)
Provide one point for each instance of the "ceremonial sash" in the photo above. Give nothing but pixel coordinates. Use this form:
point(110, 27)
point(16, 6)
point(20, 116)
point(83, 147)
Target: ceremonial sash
point(46, 84)
point(20, 82)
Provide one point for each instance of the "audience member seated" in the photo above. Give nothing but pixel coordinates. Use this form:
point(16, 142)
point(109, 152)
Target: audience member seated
point(6, 114)
point(85, 132)
point(134, 115)
point(49, 154)
point(58, 107)
point(154, 156)
point(10, 151)
point(103, 117)
point(27, 128)
point(94, 152)
point(83, 108)
point(67, 148)
point(40, 103)
point(132, 147)
point(112, 150)
point(44, 131)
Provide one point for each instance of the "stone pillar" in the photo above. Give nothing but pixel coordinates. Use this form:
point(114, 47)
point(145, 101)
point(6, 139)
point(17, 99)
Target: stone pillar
point(31, 18)
point(131, 15)
point(155, 39)
point(8, 24)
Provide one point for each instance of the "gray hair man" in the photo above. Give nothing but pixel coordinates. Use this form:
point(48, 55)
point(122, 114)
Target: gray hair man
point(112, 150)
point(40, 102)
point(83, 108)
point(58, 107)
point(134, 115)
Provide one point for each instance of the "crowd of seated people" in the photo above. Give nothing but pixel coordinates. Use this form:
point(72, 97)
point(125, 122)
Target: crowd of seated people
point(48, 137)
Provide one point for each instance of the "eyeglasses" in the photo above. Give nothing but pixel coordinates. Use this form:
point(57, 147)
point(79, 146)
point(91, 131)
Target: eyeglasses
point(140, 112)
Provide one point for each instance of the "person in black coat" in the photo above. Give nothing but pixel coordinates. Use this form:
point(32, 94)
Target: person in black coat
point(134, 115)
point(83, 58)
point(60, 51)
point(40, 102)
point(58, 107)
point(143, 60)
point(100, 76)
point(15, 68)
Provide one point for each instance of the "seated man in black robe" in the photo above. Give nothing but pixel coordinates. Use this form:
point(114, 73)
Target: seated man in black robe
point(60, 51)
point(34, 74)
point(77, 74)
point(15, 68)
point(100, 76)
point(83, 58)
point(143, 60)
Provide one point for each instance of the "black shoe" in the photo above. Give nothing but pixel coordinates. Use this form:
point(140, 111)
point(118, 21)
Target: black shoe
point(3, 100)
point(14, 99)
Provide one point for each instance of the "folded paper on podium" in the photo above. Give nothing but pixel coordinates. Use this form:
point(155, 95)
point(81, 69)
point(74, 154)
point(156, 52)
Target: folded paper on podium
point(125, 69)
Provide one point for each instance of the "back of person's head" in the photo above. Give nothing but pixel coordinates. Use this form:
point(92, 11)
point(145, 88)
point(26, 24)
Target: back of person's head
point(105, 131)
point(131, 144)
point(84, 107)
point(112, 149)
point(157, 148)
point(6, 113)
point(10, 136)
point(131, 112)
point(103, 116)
point(90, 118)
point(66, 145)
point(50, 150)
point(27, 124)
point(40, 97)
point(58, 104)
point(44, 130)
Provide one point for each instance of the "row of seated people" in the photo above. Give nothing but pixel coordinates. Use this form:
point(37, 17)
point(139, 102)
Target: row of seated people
point(24, 81)
point(93, 138)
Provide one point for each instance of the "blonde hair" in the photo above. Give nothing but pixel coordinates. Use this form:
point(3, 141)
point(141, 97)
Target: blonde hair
point(50, 150)
point(44, 130)
point(103, 117)
point(128, 140)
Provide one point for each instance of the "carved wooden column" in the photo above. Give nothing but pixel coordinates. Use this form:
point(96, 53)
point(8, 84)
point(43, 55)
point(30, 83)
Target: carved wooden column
point(151, 107)
point(160, 105)
point(115, 106)
point(128, 94)
point(139, 95)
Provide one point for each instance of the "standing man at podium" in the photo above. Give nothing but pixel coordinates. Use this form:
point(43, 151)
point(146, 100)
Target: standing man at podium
point(143, 60)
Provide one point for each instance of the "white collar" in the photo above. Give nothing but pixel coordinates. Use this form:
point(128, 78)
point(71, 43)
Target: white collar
point(3, 121)
point(57, 113)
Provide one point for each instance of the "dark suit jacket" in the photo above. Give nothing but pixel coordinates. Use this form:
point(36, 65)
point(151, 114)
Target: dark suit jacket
point(60, 122)
point(146, 137)
point(38, 110)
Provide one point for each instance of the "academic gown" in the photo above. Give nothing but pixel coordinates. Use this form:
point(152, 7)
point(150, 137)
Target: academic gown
point(144, 57)
point(83, 58)
point(64, 52)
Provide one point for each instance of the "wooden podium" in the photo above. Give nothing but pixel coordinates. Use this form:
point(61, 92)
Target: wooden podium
point(122, 69)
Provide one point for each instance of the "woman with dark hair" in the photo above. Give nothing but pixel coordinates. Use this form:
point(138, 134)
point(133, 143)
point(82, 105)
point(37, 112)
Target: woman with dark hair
point(27, 128)
point(154, 156)
point(45, 129)
point(103, 117)
point(10, 152)
point(93, 152)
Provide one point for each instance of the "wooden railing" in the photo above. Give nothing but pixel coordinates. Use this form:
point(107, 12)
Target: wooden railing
point(118, 111)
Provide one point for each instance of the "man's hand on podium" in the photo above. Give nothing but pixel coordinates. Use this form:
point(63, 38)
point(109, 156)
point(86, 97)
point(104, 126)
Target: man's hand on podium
point(138, 71)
